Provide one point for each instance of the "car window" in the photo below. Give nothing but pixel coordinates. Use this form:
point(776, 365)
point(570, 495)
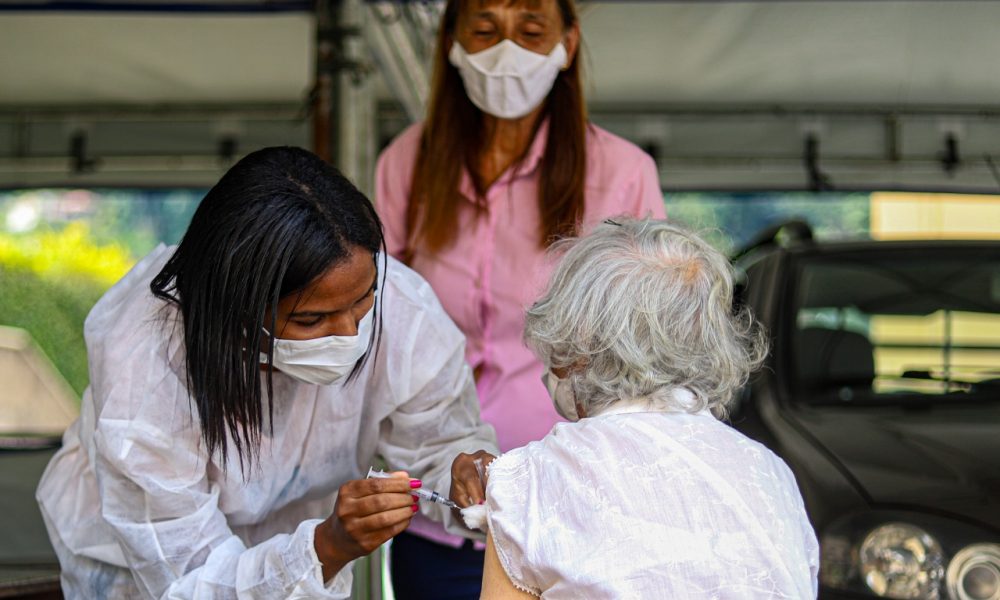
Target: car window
point(898, 326)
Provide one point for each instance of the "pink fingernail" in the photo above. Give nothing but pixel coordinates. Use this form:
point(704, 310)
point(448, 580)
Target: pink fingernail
point(415, 497)
point(415, 508)
point(415, 483)
point(482, 501)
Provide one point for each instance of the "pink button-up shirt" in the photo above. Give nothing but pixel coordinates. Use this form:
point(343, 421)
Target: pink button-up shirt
point(496, 268)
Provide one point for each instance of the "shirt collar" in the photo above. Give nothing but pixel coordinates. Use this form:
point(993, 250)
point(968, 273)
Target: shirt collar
point(679, 401)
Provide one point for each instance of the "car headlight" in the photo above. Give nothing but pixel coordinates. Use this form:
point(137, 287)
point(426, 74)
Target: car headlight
point(899, 560)
point(974, 573)
point(917, 557)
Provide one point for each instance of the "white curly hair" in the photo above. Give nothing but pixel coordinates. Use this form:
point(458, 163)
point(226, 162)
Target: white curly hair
point(639, 308)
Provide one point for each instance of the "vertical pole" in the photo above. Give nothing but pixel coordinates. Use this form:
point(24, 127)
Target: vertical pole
point(20, 141)
point(344, 99)
point(946, 351)
point(355, 134)
point(326, 96)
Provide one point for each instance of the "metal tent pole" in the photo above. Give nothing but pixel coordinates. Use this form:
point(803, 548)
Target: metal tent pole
point(343, 100)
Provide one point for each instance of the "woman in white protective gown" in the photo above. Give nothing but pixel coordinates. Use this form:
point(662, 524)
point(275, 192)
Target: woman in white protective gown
point(241, 385)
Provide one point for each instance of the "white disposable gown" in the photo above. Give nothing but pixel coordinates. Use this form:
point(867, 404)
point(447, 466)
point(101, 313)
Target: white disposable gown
point(136, 508)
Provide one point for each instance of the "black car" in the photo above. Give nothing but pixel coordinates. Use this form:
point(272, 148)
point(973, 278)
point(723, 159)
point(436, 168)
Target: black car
point(882, 393)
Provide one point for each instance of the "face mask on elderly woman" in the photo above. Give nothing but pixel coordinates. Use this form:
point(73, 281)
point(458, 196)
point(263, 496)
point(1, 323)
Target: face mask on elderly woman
point(506, 80)
point(563, 397)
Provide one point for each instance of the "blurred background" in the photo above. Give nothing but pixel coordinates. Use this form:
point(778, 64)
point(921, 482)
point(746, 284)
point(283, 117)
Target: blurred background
point(869, 118)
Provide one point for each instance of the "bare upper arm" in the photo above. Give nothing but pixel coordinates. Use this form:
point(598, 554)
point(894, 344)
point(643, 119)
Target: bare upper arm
point(496, 584)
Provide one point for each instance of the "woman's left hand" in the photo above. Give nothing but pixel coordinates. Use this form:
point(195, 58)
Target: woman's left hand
point(466, 486)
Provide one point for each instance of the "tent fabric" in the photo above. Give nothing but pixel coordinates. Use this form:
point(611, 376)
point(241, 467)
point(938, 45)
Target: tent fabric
point(833, 53)
point(830, 52)
point(723, 93)
point(126, 59)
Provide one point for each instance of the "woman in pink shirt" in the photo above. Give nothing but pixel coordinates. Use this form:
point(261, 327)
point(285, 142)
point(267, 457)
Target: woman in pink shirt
point(505, 163)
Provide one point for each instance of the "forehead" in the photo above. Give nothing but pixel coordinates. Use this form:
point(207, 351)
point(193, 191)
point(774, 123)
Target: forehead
point(337, 288)
point(470, 8)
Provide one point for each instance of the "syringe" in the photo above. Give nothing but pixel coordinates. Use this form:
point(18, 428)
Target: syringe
point(421, 493)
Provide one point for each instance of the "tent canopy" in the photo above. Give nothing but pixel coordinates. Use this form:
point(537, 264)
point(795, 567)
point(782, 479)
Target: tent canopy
point(693, 53)
point(725, 93)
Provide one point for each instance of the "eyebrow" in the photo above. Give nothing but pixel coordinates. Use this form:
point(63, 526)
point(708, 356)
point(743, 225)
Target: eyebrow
point(531, 16)
point(323, 313)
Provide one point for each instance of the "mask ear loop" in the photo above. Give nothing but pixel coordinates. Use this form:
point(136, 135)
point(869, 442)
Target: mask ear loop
point(375, 339)
point(269, 352)
point(377, 309)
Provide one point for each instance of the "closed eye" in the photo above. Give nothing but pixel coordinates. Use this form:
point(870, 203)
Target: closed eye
point(307, 322)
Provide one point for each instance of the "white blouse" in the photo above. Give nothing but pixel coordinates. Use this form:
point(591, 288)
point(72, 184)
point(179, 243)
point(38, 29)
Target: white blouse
point(650, 505)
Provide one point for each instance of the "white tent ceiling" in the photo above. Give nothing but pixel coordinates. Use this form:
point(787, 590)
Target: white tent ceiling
point(941, 53)
point(100, 58)
point(796, 52)
point(702, 81)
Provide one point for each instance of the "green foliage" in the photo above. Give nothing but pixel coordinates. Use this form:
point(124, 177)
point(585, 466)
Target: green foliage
point(69, 253)
point(140, 219)
point(49, 281)
point(728, 220)
point(53, 312)
point(74, 244)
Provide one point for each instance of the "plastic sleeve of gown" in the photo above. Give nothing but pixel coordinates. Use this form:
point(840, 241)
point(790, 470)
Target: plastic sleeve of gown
point(428, 430)
point(165, 515)
point(433, 425)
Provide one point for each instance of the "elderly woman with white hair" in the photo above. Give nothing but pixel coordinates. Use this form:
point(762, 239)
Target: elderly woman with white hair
point(645, 493)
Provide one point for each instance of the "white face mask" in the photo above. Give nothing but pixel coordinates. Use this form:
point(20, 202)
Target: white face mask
point(561, 392)
point(506, 80)
point(324, 360)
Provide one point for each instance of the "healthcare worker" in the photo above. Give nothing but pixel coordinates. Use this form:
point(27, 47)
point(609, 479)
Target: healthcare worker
point(505, 163)
point(241, 386)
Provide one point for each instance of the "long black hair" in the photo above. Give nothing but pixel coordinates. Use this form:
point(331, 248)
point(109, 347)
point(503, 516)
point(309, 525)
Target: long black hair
point(277, 220)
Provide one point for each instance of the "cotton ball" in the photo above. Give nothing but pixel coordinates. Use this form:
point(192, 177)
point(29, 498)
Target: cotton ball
point(475, 516)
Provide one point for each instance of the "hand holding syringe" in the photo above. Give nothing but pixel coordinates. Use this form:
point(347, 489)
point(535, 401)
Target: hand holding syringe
point(423, 494)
